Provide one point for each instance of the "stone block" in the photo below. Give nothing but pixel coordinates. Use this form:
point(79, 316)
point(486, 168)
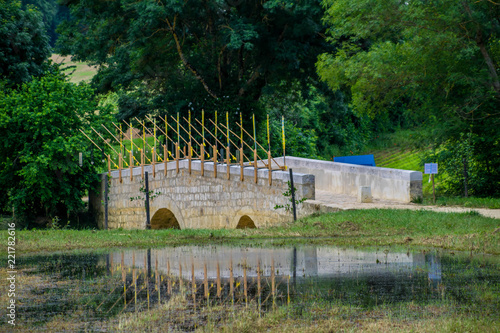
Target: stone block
point(365, 194)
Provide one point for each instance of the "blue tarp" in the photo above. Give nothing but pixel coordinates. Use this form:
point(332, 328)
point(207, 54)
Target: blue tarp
point(367, 160)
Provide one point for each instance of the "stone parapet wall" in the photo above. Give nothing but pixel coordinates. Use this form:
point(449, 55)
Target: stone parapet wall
point(198, 201)
point(342, 178)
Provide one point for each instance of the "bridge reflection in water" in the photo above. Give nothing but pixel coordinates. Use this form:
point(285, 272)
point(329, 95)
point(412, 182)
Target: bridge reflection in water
point(267, 277)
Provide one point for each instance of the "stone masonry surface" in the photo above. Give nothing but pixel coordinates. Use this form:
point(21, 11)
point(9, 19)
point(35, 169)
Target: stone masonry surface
point(199, 201)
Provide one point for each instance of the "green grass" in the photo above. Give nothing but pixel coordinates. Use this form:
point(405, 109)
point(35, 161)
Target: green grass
point(319, 316)
point(77, 71)
point(377, 227)
point(470, 202)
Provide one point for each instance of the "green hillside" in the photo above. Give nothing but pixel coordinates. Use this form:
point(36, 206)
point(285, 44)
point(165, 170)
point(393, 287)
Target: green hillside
point(77, 71)
point(397, 151)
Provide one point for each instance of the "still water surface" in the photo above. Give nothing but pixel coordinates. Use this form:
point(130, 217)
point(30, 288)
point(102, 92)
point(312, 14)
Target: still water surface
point(99, 287)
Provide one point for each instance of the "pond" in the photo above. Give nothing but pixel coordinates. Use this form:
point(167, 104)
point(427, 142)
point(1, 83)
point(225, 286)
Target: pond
point(93, 291)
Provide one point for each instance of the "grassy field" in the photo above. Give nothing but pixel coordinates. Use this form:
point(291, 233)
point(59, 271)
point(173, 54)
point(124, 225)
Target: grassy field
point(78, 71)
point(463, 232)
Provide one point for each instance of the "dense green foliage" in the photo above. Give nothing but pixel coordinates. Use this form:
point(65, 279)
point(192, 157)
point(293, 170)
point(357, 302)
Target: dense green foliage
point(52, 14)
point(24, 46)
point(385, 65)
point(238, 56)
point(215, 55)
point(41, 114)
point(39, 162)
point(434, 63)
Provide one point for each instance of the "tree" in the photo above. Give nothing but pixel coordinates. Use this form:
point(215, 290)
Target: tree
point(39, 156)
point(52, 14)
point(435, 62)
point(215, 54)
point(24, 46)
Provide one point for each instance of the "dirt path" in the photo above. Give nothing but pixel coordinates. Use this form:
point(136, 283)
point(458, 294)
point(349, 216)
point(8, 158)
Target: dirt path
point(344, 202)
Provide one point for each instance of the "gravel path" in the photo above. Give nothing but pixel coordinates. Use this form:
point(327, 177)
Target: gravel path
point(344, 202)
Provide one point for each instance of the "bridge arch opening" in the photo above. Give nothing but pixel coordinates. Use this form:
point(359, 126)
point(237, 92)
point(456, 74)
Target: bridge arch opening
point(246, 222)
point(164, 219)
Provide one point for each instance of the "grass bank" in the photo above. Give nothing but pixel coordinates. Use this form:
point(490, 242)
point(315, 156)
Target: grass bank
point(377, 227)
point(319, 316)
point(469, 202)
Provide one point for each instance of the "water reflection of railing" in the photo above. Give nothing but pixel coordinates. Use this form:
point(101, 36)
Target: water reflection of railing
point(264, 277)
point(142, 288)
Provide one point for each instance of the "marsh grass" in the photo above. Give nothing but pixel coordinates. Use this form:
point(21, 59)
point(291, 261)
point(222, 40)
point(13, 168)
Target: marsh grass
point(64, 292)
point(376, 227)
point(313, 316)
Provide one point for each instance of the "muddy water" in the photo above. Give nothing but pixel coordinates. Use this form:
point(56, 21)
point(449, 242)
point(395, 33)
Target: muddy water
point(95, 289)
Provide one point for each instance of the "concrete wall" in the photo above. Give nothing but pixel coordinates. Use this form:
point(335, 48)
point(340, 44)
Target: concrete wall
point(199, 201)
point(341, 178)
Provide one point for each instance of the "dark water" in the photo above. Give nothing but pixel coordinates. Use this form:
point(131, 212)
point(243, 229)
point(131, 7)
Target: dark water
point(99, 287)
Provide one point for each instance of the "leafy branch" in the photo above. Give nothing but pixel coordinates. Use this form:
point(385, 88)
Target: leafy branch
point(142, 189)
point(288, 194)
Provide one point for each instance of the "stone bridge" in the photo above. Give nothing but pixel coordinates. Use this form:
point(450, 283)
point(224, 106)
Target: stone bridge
point(190, 198)
point(194, 194)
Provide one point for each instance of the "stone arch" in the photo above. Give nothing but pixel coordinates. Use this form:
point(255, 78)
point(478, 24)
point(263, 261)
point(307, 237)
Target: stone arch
point(245, 222)
point(164, 219)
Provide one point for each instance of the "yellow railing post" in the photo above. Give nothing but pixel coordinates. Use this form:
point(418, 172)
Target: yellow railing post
point(255, 165)
point(202, 154)
point(177, 153)
point(109, 165)
point(228, 162)
point(165, 159)
point(215, 160)
point(241, 164)
point(189, 157)
point(131, 165)
point(153, 161)
point(120, 166)
point(270, 168)
point(142, 163)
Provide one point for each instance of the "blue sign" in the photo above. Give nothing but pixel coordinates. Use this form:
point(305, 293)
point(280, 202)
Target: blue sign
point(431, 168)
point(367, 160)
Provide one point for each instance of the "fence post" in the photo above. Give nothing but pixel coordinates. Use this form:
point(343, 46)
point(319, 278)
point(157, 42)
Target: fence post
point(177, 153)
point(189, 157)
point(109, 165)
point(148, 224)
point(215, 160)
point(293, 196)
point(131, 165)
point(255, 165)
point(241, 164)
point(202, 154)
point(120, 166)
point(165, 159)
point(106, 202)
point(142, 162)
point(270, 168)
point(228, 162)
point(153, 161)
